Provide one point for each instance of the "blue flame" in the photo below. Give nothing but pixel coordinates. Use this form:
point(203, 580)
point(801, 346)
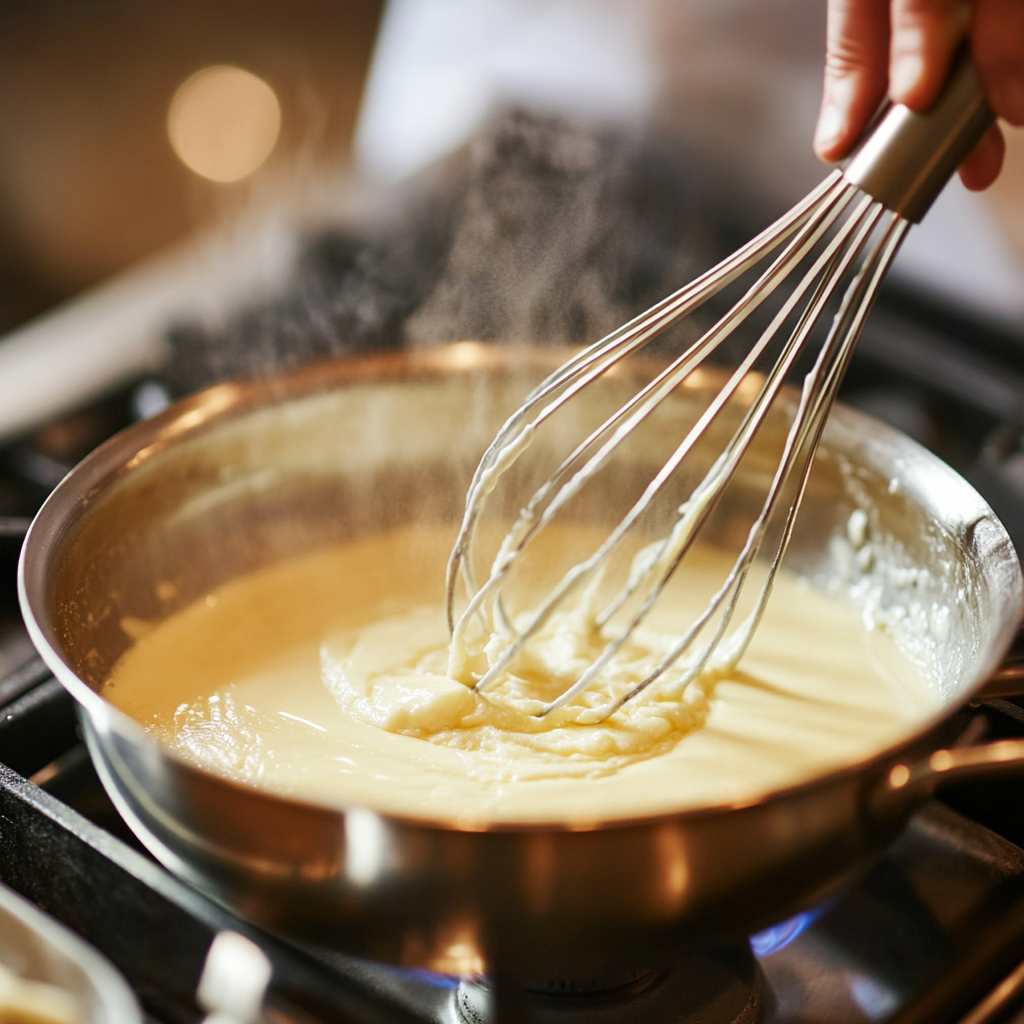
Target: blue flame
point(780, 935)
point(429, 977)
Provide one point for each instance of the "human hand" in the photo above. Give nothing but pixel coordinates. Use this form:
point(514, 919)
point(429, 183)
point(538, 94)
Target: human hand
point(904, 48)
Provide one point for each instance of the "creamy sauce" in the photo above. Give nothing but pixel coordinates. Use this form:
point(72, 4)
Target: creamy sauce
point(325, 678)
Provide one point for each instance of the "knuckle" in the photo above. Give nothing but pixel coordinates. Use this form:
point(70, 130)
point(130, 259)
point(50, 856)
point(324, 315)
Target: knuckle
point(843, 61)
point(857, 37)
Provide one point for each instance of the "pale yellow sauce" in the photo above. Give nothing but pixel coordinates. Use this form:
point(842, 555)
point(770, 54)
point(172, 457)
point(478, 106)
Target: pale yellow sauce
point(325, 678)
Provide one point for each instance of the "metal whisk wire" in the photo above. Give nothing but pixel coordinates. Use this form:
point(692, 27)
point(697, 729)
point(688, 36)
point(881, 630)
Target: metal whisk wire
point(574, 375)
point(848, 257)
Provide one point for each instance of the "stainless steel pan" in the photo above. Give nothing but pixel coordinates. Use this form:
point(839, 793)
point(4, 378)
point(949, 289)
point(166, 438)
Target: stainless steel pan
point(243, 475)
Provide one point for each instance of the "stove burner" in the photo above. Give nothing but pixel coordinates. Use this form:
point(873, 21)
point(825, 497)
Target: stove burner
point(720, 988)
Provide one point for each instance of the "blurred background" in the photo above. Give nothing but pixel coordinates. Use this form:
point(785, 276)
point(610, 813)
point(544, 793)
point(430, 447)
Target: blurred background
point(113, 149)
point(91, 177)
point(193, 191)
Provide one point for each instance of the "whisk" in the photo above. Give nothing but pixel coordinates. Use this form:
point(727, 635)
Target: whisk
point(838, 243)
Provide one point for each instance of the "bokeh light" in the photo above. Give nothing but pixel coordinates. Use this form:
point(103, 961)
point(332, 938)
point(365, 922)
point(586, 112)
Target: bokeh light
point(223, 122)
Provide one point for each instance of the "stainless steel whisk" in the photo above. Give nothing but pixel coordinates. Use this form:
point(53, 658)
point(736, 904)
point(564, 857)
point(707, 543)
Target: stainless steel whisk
point(839, 241)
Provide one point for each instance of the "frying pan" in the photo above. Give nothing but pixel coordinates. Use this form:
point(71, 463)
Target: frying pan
point(243, 475)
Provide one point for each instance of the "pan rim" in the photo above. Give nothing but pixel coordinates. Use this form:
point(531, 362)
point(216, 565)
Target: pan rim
point(204, 410)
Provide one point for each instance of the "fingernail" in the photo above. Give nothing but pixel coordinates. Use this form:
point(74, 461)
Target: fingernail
point(905, 75)
point(1008, 98)
point(831, 124)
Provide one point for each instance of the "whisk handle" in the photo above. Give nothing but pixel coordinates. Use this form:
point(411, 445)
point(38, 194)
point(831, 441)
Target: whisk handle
point(905, 159)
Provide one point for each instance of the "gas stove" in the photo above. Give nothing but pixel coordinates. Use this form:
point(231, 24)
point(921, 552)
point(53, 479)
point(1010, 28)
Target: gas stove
point(934, 932)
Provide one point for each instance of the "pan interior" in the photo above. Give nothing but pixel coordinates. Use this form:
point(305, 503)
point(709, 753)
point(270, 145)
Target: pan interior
point(272, 482)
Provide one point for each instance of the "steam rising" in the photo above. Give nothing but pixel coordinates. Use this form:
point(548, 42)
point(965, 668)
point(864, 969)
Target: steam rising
point(542, 232)
point(563, 235)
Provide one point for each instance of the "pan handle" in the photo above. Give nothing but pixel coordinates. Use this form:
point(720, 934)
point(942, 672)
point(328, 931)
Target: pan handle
point(1008, 679)
point(955, 764)
point(908, 782)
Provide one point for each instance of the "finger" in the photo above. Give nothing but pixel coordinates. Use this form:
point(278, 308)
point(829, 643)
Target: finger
point(997, 45)
point(924, 35)
point(985, 161)
point(856, 65)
